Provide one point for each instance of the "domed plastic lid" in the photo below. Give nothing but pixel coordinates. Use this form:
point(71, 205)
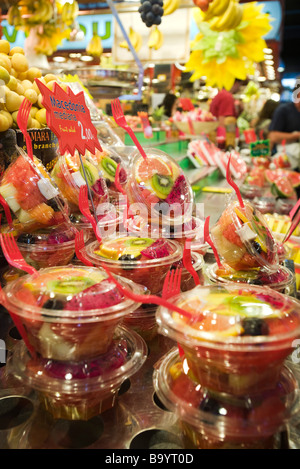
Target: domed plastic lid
point(107, 162)
point(278, 280)
point(232, 317)
point(243, 239)
point(125, 356)
point(222, 415)
point(74, 173)
point(69, 294)
point(132, 249)
point(158, 182)
point(31, 194)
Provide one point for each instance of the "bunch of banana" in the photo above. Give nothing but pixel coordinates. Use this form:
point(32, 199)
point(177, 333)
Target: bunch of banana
point(170, 6)
point(156, 39)
point(94, 47)
point(37, 12)
point(14, 17)
point(69, 12)
point(230, 19)
point(135, 39)
point(216, 8)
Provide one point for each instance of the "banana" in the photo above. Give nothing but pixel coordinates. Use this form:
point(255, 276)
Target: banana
point(69, 12)
point(216, 8)
point(224, 22)
point(94, 47)
point(14, 17)
point(170, 6)
point(155, 39)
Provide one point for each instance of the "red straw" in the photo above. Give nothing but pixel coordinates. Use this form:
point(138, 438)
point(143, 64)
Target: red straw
point(209, 241)
point(233, 184)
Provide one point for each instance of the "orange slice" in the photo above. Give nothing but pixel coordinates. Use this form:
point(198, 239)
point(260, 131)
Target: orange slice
point(151, 165)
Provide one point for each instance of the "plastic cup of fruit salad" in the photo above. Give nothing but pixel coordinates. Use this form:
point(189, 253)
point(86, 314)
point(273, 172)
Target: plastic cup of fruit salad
point(107, 161)
point(32, 196)
point(69, 175)
point(49, 247)
point(160, 186)
point(143, 321)
point(235, 338)
point(80, 390)
point(109, 222)
point(192, 229)
point(69, 313)
point(210, 421)
point(145, 261)
point(282, 280)
point(243, 239)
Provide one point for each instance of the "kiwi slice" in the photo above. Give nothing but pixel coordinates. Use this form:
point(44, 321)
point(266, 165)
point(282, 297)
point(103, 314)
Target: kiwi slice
point(140, 242)
point(70, 285)
point(162, 185)
point(90, 171)
point(109, 168)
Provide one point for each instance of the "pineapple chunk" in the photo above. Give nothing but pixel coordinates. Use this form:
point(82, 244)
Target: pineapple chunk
point(9, 192)
point(24, 217)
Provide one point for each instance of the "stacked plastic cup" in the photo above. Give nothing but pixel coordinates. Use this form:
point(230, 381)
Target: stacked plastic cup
point(77, 355)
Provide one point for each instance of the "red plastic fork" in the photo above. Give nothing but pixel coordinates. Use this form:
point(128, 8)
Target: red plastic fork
point(209, 241)
point(13, 254)
point(187, 261)
point(22, 121)
point(127, 213)
point(85, 210)
point(171, 286)
point(79, 248)
point(120, 119)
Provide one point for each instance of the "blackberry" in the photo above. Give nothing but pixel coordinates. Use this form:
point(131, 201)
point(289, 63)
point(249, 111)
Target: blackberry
point(257, 247)
point(254, 327)
point(26, 238)
point(52, 303)
point(129, 261)
point(53, 204)
point(151, 12)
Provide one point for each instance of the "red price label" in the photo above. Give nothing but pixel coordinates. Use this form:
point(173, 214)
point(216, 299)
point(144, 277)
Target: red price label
point(69, 119)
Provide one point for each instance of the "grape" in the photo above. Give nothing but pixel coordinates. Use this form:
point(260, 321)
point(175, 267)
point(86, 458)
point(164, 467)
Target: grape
point(151, 12)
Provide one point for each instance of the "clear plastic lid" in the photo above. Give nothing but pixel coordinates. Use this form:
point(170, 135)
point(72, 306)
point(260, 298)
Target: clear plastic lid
point(133, 250)
point(279, 280)
point(125, 356)
point(69, 295)
point(32, 195)
point(243, 239)
point(224, 416)
point(69, 174)
point(159, 183)
point(232, 317)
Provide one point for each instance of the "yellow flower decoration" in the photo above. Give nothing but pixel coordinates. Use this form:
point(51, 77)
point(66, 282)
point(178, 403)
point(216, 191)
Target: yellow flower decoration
point(223, 57)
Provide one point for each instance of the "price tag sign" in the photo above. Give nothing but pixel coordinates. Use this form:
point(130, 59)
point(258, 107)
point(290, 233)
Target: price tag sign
point(69, 119)
point(260, 148)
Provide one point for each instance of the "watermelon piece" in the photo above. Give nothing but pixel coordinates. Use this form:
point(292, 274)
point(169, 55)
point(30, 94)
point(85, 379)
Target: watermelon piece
point(294, 177)
point(282, 188)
